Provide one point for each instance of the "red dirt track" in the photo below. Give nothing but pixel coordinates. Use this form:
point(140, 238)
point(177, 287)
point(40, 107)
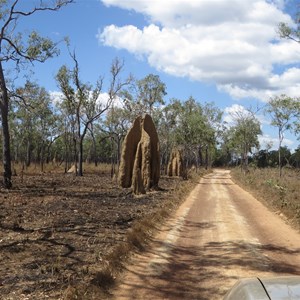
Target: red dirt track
point(218, 235)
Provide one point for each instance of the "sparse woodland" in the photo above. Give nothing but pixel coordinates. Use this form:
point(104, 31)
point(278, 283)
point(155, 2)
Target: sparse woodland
point(87, 122)
point(65, 234)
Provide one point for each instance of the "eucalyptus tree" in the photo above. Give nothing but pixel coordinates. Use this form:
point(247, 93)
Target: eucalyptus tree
point(195, 128)
point(191, 129)
point(165, 121)
point(290, 32)
point(115, 127)
point(151, 91)
point(226, 150)
point(296, 122)
point(21, 131)
point(282, 110)
point(18, 48)
point(142, 96)
point(295, 158)
point(46, 124)
point(82, 102)
point(34, 121)
point(213, 127)
point(243, 135)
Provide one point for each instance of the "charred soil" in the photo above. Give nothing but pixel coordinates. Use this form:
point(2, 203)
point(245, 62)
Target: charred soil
point(57, 231)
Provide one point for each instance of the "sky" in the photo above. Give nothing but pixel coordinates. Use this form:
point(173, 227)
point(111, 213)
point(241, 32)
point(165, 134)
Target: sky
point(222, 51)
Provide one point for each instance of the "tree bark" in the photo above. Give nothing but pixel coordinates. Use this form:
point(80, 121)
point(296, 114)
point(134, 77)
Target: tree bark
point(94, 146)
point(279, 153)
point(80, 157)
point(42, 154)
point(28, 153)
point(4, 104)
point(206, 157)
point(200, 155)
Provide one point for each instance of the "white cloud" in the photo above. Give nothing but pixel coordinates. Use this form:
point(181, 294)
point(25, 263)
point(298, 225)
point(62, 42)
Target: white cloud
point(57, 98)
point(177, 13)
point(277, 84)
point(104, 98)
point(230, 112)
point(266, 139)
point(234, 111)
point(231, 43)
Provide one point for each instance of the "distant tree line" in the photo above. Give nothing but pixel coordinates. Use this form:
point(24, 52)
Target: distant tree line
point(89, 121)
point(81, 126)
point(84, 125)
point(87, 125)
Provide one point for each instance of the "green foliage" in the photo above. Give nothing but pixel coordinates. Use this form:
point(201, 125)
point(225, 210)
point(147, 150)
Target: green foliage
point(284, 30)
point(15, 48)
point(40, 48)
point(296, 123)
point(34, 124)
point(284, 102)
point(295, 158)
point(14, 45)
point(282, 110)
point(190, 126)
point(82, 106)
point(151, 90)
point(261, 158)
point(288, 32)
point(3, 9)
point(242, 137)
point(143, 95)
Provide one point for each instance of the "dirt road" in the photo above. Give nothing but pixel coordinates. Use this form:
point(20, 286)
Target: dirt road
point(218, 235)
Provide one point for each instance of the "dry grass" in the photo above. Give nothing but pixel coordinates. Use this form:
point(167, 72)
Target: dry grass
point(35, 168)
point(279, 194)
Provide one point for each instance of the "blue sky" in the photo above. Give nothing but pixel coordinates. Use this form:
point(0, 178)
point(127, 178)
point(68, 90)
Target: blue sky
point(225, 51)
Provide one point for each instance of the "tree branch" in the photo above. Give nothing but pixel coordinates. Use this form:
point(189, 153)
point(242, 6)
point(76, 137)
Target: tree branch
point(59, 4)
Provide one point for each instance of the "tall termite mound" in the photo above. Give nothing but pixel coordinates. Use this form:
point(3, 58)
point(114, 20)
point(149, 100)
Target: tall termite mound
point(140, 161)
point(175, 166)
point(129, 149)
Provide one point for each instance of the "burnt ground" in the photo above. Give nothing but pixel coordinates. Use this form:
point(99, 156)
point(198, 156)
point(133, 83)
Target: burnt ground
point(56, 229)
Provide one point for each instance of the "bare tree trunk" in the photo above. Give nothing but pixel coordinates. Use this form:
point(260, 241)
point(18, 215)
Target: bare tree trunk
point(42, 156)
point(75, 154)
point(200, 155)
point(16, 153)
point(28, 153)
point(280, 166)
point(69, 144)
point(66, 152)
point(94, 148)
point(4, 103)
point(112, 170)
point(80, 157)
point(206, 157)
point(49, 145)
point(279, 153)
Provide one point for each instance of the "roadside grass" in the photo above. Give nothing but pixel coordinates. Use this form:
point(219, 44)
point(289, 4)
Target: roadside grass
point(280, 194)
point(137, 239)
